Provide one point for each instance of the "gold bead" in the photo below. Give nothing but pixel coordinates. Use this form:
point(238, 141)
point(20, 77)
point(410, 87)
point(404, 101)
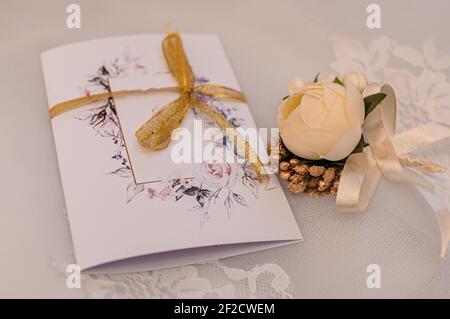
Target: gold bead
point(294, 161)
point(296, 188)
point(301, 169)
point(313, 182)
point(284, 175)
point(329, 175)
point(322, 186)
point(316, 171)
point(296, 178)
point(284, 166)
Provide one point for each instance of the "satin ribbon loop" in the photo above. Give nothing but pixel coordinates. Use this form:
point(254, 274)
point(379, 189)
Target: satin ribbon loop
point(379, 129)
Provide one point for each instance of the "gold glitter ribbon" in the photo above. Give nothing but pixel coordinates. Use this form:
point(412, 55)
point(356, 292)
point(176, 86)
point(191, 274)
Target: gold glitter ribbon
point(156, 132)
point(386, 156)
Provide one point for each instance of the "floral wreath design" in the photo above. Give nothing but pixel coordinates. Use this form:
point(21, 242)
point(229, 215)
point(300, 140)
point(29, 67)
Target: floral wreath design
point(216, 183)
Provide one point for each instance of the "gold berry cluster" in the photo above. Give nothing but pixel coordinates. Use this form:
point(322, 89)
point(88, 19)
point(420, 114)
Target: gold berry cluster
point(306, 176)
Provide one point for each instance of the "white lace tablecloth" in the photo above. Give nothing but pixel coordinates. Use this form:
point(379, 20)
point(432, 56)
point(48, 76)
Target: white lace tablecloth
point(269, 43)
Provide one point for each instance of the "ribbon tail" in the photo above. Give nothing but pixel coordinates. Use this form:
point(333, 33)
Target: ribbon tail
point(221, 92)
point(177, 61)
point(156, 133)
point(389, 150)
point(358, 183)
point(420, 136)
point(417, 138)
point(230, 130)
point(443, 218)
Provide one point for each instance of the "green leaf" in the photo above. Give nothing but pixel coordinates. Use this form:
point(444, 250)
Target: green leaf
point(360, 147)
point(371, 101)
point(316, 78)
point(337, 81)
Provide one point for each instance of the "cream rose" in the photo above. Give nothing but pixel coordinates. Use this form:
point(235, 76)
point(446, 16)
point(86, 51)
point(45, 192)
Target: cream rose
point(357, 79)
point(322, 120)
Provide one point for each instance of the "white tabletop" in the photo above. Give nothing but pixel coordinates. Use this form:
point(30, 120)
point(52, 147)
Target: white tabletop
point(269, 43)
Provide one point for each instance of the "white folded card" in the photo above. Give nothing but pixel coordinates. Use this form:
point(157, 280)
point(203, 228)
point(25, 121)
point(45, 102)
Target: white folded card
point(133, 209)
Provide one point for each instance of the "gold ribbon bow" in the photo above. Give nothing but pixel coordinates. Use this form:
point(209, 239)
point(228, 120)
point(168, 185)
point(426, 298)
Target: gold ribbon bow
point(386, 156)
point(156, 133)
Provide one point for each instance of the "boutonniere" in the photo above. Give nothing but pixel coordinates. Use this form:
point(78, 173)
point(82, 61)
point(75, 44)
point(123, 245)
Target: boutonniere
point(337, 136)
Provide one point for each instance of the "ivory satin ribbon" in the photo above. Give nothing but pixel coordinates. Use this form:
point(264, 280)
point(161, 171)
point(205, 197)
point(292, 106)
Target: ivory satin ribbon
point(386, 156)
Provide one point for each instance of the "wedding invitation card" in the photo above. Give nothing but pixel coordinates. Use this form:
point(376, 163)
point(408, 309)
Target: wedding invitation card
point(131, 208)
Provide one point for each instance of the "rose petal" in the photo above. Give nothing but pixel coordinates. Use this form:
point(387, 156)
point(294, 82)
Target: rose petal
point(354, 105)
point(296, 87)
point(309, 144)
point(288, 105)
point(336, 119)
point(334, 89)
point(312, 111)
point(319, 140)
point(294, 144)
point(345, 144)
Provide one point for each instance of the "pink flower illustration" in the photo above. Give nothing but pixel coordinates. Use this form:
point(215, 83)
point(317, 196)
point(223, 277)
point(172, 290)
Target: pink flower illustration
point(165, 192)
point(151, 192)
point(217, 170)
point(139, 66)
point(187, 183)
point(218, 174)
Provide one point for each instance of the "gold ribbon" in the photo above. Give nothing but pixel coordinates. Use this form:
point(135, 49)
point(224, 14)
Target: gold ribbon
point(156, 133)
point(386, 156)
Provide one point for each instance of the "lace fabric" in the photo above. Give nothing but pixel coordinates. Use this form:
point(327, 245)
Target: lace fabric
point(207, 280)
